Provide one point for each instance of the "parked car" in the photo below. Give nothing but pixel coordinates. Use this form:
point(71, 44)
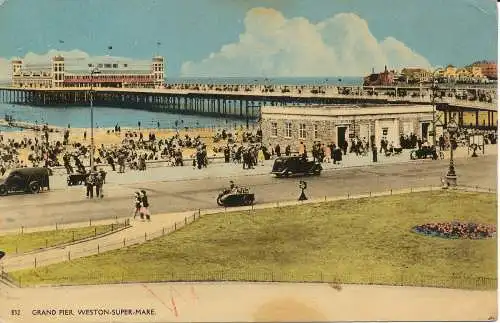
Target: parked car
point(295, 165)
point(28, 180)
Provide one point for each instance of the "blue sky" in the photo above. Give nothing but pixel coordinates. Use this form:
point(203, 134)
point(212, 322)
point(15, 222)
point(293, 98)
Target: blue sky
point(421, 32)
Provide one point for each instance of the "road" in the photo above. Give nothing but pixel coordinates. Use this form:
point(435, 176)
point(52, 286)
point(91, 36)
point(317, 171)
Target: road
point(69, 204)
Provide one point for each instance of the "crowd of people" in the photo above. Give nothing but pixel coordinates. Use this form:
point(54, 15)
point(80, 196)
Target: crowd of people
point(486, 94)
point(457, 230)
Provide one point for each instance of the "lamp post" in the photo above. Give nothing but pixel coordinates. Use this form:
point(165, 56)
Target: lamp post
point(451, 176)
point(95, 70)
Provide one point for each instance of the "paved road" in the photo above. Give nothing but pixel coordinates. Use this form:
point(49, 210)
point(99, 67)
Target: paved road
point(69, 205)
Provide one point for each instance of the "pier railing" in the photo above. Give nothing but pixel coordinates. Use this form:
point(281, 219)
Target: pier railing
point(486, 101)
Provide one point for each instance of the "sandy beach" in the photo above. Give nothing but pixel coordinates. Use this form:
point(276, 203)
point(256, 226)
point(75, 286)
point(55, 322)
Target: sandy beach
point(107, 137)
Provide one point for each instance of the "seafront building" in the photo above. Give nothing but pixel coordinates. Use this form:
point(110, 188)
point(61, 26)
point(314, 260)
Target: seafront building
point(109, 72)
point(291, 125)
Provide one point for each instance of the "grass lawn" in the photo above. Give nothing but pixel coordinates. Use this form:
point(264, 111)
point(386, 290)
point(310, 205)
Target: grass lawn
point(353, 241)
point(26, 242)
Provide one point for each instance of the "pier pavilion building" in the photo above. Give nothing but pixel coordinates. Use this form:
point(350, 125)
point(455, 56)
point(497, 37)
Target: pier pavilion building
point(71, 73)
point(290, 125)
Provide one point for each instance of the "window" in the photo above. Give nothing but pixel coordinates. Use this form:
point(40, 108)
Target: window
point(100, 65)
point(274, 129)
point(288, 130)
point(302, 131)
point(107, 65)
point(315, 127)
point(115, 65)
point(91, 65)
point(125, 65)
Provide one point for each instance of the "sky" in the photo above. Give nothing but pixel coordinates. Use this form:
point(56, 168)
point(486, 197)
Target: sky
point(254, 38)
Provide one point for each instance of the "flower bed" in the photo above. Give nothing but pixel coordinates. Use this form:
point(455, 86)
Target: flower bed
point(457, 230)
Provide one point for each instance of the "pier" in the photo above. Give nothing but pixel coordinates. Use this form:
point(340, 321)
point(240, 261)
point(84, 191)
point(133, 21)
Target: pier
point(244, 101)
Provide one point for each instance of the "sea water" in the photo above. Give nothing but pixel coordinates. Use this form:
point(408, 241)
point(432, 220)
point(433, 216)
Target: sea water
point(108, 117)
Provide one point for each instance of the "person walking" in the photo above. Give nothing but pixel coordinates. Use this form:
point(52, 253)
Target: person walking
point(145, 205)
point(89, 184)
point(99, 183)
point(260, 156)
point(138, 205)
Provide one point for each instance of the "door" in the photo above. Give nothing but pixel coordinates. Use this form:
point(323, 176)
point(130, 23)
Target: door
point(15, 182)
point(425, 131)
point(341, 134)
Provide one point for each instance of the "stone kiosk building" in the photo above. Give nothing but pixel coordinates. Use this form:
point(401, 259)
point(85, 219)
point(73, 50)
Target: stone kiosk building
point(290, 125)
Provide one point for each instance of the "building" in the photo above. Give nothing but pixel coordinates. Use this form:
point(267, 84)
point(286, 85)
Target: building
point(416, 75)
point(291, 125)
point(384, 78)
point(488, 69)
point(464, 75)
point(109, 72)
point(450, 73)
point(476, 71)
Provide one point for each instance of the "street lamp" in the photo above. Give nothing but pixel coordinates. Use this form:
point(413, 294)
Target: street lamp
point(95, 70)
point(451, 176)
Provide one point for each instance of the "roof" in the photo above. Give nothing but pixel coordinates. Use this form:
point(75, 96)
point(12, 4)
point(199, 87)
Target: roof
point(31, 170)
point(109, 72)
point(319, 111)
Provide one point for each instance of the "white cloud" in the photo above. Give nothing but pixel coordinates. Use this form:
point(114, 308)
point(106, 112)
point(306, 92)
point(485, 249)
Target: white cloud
point(273, 45)
point(5, 71)
point(74, 59)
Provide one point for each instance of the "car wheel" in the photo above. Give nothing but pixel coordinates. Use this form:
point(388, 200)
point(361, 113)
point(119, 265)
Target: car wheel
point(3, 190)
point(34, 187)
point(219, 201)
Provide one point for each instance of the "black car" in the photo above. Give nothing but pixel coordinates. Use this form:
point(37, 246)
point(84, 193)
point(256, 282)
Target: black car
point(239, 197)
point(295, 165)
point(29, 180)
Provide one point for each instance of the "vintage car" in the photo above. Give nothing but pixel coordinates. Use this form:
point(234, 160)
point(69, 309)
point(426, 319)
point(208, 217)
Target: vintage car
point(28, 180)
point(76, 178)
point(426, 152)
point(295, 165)
point(238, 197)
point(79, 178)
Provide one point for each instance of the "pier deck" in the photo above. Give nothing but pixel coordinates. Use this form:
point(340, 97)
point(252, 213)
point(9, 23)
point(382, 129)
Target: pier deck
point(244, 101)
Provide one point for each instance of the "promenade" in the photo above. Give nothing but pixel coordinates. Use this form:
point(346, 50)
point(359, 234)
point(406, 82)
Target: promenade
point(163, 223)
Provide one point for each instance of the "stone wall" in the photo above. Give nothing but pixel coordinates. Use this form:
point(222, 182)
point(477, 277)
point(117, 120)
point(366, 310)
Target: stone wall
point(327, 127)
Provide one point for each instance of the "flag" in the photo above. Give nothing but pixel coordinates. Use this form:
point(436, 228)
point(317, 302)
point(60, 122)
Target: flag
point(61, 41)
point(110, 47)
